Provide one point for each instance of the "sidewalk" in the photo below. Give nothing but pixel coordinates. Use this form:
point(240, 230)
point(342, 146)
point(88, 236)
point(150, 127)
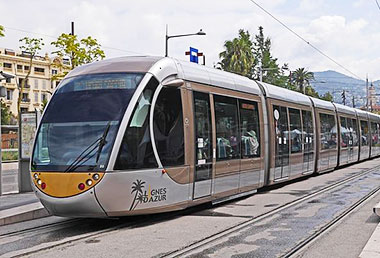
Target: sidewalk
point(20, 207)
point(372, 248)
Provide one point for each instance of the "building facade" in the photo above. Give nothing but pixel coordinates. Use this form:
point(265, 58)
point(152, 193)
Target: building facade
point(41, 82)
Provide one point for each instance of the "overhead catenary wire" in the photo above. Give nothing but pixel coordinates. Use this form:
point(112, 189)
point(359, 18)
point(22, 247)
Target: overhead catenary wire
point(377, 3)
point(307, 42)
point(53, 37)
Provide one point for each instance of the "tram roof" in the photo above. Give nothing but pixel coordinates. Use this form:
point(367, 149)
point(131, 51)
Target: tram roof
point(345, 109)
point(280, 93)
point(211, 76)
point(318, 103)
point(133, 64)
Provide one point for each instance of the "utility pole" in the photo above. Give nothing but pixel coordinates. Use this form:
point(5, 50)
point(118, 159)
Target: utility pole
point(366, 87)
point(353, 101)
point(72, 28)
point(344, 97)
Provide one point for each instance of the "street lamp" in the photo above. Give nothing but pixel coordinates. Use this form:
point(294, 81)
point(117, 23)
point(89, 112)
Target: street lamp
point(200, 33)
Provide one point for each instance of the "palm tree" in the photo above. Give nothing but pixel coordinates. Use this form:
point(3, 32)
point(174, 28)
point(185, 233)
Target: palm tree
point(136, 188)
point(238, 56)
point(301, 77)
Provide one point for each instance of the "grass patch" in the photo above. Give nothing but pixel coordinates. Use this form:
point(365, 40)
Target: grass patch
point(9, 155)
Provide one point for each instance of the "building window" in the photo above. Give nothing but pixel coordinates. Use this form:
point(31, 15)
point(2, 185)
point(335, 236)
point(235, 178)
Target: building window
point(54, 71)
point(24, 110)
point(26, 68)
point(8, 80)
point(39, 70)
point(9, 94)
point(25, 97)
point(43, 97)
point(7, 66)
point(20, 81)
point(44, 84)
point(19, 67)
point(36, 83)
point(36, 97)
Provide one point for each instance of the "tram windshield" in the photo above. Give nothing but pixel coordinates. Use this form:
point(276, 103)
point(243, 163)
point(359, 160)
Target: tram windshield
point(80, 124)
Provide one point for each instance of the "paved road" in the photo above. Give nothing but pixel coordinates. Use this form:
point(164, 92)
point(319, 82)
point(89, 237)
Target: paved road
point(160, 237)
point(9, 177)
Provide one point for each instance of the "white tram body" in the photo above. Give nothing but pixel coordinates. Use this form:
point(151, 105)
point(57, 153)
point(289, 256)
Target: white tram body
point(138, 135)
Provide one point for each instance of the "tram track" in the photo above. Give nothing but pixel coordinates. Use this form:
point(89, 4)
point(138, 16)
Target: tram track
point(205, 242)
point(141, 221)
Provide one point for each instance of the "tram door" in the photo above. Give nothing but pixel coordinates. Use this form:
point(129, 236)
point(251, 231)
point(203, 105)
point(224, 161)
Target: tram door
point(203, 145)
point(281, 144)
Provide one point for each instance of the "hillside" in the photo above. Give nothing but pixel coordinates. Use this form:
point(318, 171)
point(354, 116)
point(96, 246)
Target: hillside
point(335, 83)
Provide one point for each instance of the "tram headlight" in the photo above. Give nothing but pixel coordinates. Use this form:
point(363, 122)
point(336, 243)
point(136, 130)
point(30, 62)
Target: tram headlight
point(96, 177)
point(35, 175)
point(89, 182)
point(39, 181)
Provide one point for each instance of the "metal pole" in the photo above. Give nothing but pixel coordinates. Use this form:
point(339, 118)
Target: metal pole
point(72, 28)
point(261, 73)
point(366, 86)
point(166, 41)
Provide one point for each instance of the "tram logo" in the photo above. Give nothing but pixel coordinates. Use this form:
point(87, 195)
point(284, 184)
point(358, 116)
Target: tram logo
point(145, 196)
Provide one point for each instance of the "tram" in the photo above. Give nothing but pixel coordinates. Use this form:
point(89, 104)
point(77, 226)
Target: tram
point(140, 135)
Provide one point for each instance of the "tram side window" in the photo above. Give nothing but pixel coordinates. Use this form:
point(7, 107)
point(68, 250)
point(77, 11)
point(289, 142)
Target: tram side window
point(344, 132)
point(375, 137)
point(295, 130)
point(328, 131)
point(136, 148)
point(227, 133)
point(168, 127)
point(350, 132)
point(355, 134)
point(307, 130)
point(250, 129)
point(364, 132)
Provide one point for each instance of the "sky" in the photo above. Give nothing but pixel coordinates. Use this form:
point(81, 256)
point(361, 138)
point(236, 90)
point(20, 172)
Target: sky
point(348, 31)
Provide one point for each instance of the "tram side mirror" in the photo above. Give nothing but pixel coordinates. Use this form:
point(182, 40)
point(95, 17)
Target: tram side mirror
point(173, 83)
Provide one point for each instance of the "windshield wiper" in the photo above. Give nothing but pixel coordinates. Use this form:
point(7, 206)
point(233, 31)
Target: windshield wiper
point(102, 142)
point(85, 155)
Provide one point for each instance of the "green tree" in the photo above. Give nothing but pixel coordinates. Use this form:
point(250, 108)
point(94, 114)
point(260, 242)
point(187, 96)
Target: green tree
point(301, 78)
point(80, 52)
point(266, 63)
point(327, 96)
point(6, 115)
point(238, 55)
point(1, 31)
point(44, 103)
point(30, 46)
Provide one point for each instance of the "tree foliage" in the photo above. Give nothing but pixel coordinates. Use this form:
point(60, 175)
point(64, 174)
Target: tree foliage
point(80, 52)
point(266, 63)
point(238, 56)
point(252, 57)
point(327, 96)
point(30, 46)
point(6, 115)
point(301, 78)
point(2, 31)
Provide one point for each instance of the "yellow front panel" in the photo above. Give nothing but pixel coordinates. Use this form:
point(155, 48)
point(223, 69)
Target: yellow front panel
point(64, 184)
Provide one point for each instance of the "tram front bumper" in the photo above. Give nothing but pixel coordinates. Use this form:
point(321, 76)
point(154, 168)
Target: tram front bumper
point(59, 193)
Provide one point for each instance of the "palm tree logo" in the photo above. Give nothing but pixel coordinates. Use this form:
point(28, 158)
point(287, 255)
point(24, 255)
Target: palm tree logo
point(137, 188)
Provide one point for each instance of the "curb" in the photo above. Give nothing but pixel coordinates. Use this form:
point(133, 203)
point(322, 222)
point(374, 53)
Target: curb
point(371, 248)
point(23, 213)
